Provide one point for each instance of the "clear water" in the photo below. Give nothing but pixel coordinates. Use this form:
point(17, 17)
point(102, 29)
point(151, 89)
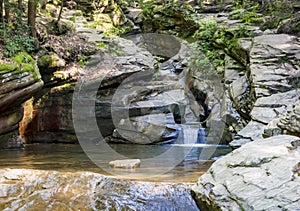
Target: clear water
point(68, 157)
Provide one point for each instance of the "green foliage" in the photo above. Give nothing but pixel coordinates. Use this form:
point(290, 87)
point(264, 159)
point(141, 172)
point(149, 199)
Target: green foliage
point(117, 31)
point(73, 19)
point(206, 30)
point(252, 12)
point(102, 45)
point(213, 40)
point(243, 31)
point(246, 14)
point(22, 58)
point(277, 11)
point(174, 16)
point(16, 35)
point(205, 42)
point(82, 60)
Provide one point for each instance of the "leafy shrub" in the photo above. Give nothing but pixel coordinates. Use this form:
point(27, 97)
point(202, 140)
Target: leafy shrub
point(16, 36)
point(213, 40)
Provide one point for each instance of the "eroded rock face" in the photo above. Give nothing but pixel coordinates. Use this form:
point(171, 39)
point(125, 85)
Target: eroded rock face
point(17, 84)
point(34, 189)
point(126, 82)
point(274, 71)
point(48, 117)
point(261, 175)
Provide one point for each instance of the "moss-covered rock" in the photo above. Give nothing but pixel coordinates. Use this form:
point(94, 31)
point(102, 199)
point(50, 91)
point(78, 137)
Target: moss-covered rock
point(175, 16)
point(20, 79)
point(291, 25)
point(50, 62)
point(23, 58)
point(5, 68)
point(60, 28)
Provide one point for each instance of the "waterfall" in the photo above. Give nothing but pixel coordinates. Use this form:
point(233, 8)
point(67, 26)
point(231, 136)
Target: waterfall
point(190, 135)
point(202, 135)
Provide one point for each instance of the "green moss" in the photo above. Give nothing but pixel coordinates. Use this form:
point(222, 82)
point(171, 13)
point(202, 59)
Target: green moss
point(44, 61)
point(22, 58)
point(50, 60)
point(102, 45)
point(27, 68)
point(73, 19)
point(5, 68)
point(82, 60)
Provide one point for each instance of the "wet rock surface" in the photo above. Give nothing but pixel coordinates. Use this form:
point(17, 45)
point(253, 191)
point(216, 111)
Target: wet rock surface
point(34, 189)
point(261, 175)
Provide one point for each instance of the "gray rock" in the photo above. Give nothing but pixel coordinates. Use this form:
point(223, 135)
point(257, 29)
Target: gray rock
point(253, 131)
point(291, 121)
point(22, 189)
point(274, 75)
point(291, 25)
point(261, 175)
point(125, 164)
point(135, 15)
point(147, 129)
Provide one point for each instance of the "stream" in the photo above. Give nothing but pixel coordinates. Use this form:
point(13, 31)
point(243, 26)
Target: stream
point(71, 158)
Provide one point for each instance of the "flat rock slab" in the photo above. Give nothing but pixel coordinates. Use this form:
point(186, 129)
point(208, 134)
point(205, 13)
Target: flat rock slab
point(261, 175)
point(25, 189)
point(126, 164)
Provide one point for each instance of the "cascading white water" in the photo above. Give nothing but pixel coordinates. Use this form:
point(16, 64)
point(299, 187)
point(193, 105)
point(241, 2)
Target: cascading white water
point(191, 138)
point(191, 135)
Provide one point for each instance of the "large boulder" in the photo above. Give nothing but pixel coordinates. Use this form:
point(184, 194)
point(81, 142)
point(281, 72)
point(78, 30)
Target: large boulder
point(261, 175)
point(147, 129)
point(19, 80)
point(43, 190)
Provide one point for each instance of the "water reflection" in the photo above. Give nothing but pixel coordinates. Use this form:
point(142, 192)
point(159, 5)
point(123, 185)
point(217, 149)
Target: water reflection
point(64, 157)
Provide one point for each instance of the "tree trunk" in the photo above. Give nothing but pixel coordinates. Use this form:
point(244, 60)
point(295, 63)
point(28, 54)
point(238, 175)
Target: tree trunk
point(6, 9)
point(60, 11)
point(20, 7)
point(1, 10)
point(31, 16)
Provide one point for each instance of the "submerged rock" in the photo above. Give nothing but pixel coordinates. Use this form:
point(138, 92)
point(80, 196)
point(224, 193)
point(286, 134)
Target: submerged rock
point(261, 175)
point(34, 189)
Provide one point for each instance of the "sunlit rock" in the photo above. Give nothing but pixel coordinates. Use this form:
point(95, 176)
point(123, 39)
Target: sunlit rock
point(54, 190)
point(126, 164)
point(261, 175)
